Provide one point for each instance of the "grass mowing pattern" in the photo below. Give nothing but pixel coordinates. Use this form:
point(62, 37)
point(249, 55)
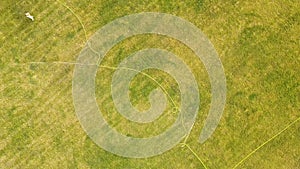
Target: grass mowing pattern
point(257, 42)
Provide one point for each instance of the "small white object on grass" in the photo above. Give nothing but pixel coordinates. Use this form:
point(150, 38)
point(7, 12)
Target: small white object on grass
point(27, 14)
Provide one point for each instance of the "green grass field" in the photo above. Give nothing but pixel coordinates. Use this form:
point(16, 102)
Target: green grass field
point(258, 43)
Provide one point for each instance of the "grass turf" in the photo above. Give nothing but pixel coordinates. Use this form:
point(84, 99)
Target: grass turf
point(258, 44)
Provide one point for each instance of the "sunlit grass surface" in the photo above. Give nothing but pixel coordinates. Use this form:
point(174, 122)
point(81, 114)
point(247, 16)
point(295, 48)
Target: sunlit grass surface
point(258, 43)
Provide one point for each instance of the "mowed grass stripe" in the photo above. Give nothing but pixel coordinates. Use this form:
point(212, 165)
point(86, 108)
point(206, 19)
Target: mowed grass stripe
point(19, 19)
point(49, 99)
point(265, 143)
point(34, 32)
point(41, 115)
point(249, 119)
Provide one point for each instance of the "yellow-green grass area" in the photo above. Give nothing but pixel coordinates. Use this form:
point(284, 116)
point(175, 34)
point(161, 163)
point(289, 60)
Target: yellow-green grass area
point(258, 43)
